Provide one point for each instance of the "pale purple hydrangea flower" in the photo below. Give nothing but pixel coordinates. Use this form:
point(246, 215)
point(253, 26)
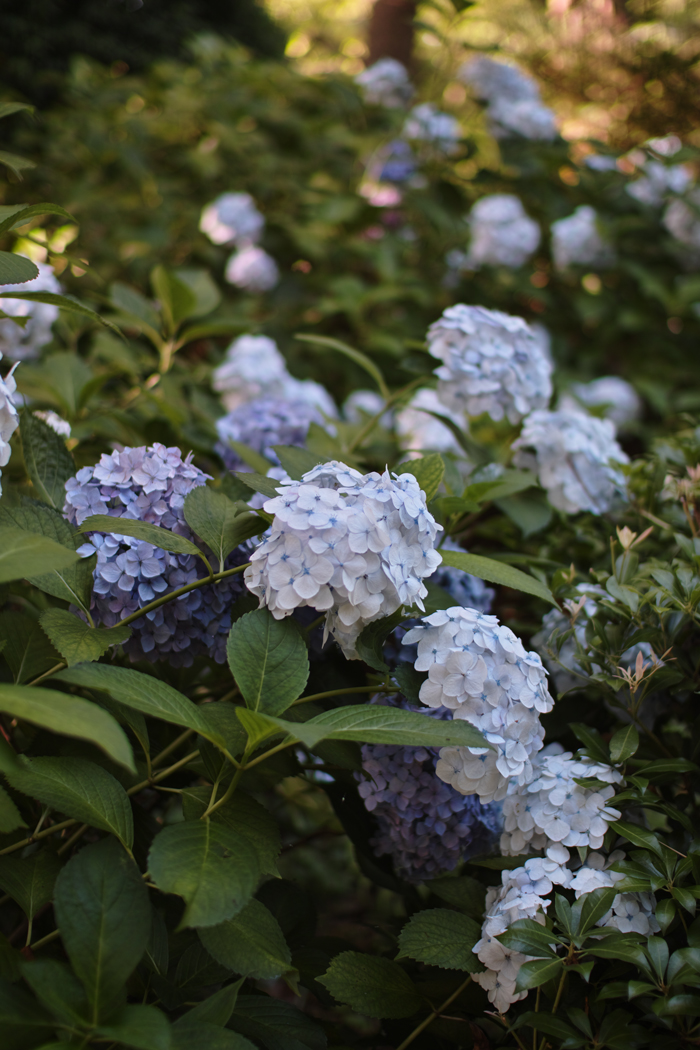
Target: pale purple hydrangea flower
point(262, 423)
point(502, 234)
point(252, 269)
point(513, 97)
point(577, 241)
point(438, 131)
point(617, 398)
point(232, 219)
point(150, 484)
point(386, 83)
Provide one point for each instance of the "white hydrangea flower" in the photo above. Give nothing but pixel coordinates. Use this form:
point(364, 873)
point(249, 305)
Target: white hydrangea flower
point(480, 670)
point(658, 180)
point(527, 117)
point(353, 546)
point(9, 419)
point(630, 912)
point(619, 400)
point(577, 459)
point(252, 269)
point(232, 219)
point(420, 432)
point(19, 343)
point(53, 420)
point(514, 103)
point(502, 234)
point(576, 240)
point(427, 124)
point(552, 807)
point(493, 363)
point(386, 83)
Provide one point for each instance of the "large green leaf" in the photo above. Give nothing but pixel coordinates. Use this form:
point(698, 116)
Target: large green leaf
point(258, 482)
point(65, 302)
point(243, 816)
point(102, 910)
point(27, 649)
point(79, 788)
point(296, 461)
point(140, 1026)
point(23, 1022)
point(217, 1009)
point(141, 530)
point(497, 572)
point(373, 986)
point(48, 461)
point(69, 715)
point(276, 1024)
point(440, 937)
point(59, 990)
point(220, 522)
point(75, 640)
point(15, 269)
point(177, 301)
point(22, 215)
point(211, 867)
point(25, 554)
point(268, 659)
point(251, 944)
point(428, 472)
point(202, 1035)
point(30, 880)
point(10, 816)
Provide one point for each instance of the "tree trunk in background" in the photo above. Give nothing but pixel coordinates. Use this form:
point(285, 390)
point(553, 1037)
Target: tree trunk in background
point(390, 33)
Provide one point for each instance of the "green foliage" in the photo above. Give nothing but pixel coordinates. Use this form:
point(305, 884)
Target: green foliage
point(374, 986)
point(269, 661)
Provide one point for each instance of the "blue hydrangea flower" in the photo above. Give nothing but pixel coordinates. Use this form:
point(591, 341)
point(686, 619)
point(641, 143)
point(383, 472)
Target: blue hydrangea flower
point(399, 163)
point(150, 484)
point(425, 825)
point(262, 423)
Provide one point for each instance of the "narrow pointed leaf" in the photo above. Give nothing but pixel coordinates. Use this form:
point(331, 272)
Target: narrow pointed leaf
point(497, 572)
point(25, 554)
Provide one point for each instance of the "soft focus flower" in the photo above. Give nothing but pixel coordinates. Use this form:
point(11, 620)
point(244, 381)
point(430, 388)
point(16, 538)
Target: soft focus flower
point(9, 419)
point(619, 400)
point(386, 83)
point(577, 241)
point(53, 420)
point(353, 546)
point(232, 219)
point(480, 671)
point(397, 162)
point(658, 181)
point(428, 125)
point(362, 404)
point(682, 220)
point(252, 269)
point(630, 912)
point(150, 484)
point(262, 423)
point(22, 343)
point(577, 459)
point(424, 825)
point(564, 667)
point(493, 363)
point(513, 97)
point(529, 118)
point(420, 432)
point(502, 234)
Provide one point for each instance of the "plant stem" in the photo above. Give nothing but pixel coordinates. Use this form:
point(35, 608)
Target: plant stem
point(45, 940)
point(372, 422)
point(47, 674)
point(341, 692)
point(205, 581)
point(235, 781)
point(431, 1017)
point(73, 839)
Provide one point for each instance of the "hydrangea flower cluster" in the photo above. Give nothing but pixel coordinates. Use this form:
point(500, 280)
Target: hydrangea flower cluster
point(255, 368)
point(682, 220)
point(619, 400)
point(428, 125)
point(493, 363)
point(630, 912)
point(514, 103)
point(552, 807)
point(658, 181)
point(232, 219)
point(576, 240)
point(502, 233)
point(386, 83)
point(262, 423)
point(9, 419)
point(353, 546)
point(52, 419)
point(150, 484)
point(397, 163)
point(424, 825)
point(576, 457)
point(480, 670)
point(252, 269)
point(23, 343)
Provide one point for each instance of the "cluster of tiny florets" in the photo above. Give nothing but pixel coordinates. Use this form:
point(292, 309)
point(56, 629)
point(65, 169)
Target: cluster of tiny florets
point(9, 419)
point(576, 457)
point(150, 484)
point(492, 362)
point(233, 219)
point(353, 546)
point(386, 83)
point(658, 182)
point(576, 240)
point(513, 97)
point(20, 343)
point(617, 398)
point(262, 423)
point(502, 233)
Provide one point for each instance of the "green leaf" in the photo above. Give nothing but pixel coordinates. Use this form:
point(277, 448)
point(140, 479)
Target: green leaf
point(251, 944)
point(372, 986)
point(48, 461)
point(296, 461)
point(355, 355)
point(130, 302)
point(258, 482)
point(440, 937)
point(533, 974)
point(497, 572)
point(28, 651)
point(79, 788)
point(217, 1009)
point(199, 1035)
point(530, 938)
point(30, 880)
point(428, 471)
point(276, 1025)
point(102, 910)
point(6, 110)
point(269, 661)
point(140, 1026)
point(26, 554)
point(10, 816)
point(462, 892)
point(214, 869)
point(370, 644)
point(177, 301)
point(20, 1011)
point(219, 522)
point(595, 905)
point(10, 959)
point(197, 969)
point(15, 269)
point(143, 693)
point(64, 302)
point(639, 836)
point(164, 539)
point(30, 211)
point(70, 716)
point(75, 640)
point(624, 744)
point(58, 989)
point(203, 287)
point(243, 816)
point(255, 460)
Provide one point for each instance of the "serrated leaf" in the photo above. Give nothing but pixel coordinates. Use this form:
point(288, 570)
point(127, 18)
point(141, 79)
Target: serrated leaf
point(10, 816)
point(624, 744)
point(27, 650)
point(164, 539)
point(428, 472)
point(48, 461)
point(75, 640)
point(139, 1026)
point(26, 554)
point(251, 944)
point(30, 880)
point(296, 461)
point(201, 1035)
point(462, 892)
point(197, 969)
point(211, 867)
point(269, 661)
point(15, 269)
point(30, 211)
point(219, 522)
point(79, 788)
point(355, 355)
point(533, 974)
point(440, 937)
point(70, 716)
point(497, 572)
point(373, 986)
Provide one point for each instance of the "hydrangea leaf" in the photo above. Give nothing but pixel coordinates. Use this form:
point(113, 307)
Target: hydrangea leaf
point(30, 880)
point(15, 269)
point(269, 660)
point(20, 1013)
point(276, 1024)
point(58, 989)
point(103, 913)
point(202, 1035)
point(251, 944)
point(65, 302)
point(20, 216)
point(462, 892)
point(10, 816)
point(27, 650)
point(26, 554)
point(242, 815)
point(75, 640)
point(219, 521)
point(428, 471)
point(48, 461)
point(539, 971)
point(214, 869)
point(196, 969)
point(296, 461)
point(217, 1009)
point(140, 1026)
point(258, 482)
point(372, 986)
point(497, 572)
point(177, 301)
point(142, 530)
point(203, 287)
point(70, 716)
point(355, 355)
point(80, 789)
point(440, 937)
